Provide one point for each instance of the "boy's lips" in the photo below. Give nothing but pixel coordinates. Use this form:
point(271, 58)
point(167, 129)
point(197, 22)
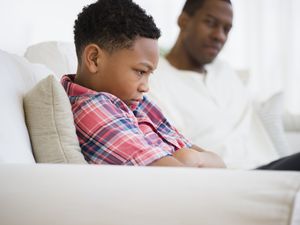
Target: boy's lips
point(136, 100)
point(134, 103)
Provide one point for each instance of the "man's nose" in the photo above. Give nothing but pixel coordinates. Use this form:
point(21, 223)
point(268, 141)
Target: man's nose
point(219, 34)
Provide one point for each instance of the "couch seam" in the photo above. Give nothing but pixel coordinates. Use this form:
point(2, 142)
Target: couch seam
point(54, 118)
point(292, 211)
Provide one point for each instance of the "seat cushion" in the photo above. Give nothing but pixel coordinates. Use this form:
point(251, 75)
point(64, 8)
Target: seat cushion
point(50, 123)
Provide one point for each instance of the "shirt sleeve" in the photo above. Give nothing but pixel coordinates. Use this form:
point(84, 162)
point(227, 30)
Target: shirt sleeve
point(164, 126)
point(110, 135)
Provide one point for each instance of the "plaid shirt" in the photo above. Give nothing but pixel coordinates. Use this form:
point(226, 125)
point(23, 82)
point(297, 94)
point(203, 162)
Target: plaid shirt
point(109, 132)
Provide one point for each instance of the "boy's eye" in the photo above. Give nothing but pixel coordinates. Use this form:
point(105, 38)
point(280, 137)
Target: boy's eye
point(141, 72)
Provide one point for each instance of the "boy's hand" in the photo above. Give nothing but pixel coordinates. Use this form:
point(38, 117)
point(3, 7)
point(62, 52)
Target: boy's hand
point(203, 159)
point(189, 157)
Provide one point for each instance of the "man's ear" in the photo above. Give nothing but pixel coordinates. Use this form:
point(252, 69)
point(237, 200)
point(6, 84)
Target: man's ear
point(183, 20)
point(92, 55)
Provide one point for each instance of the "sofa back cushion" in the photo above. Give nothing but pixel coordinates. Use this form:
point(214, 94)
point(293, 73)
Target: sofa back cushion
point(17, 76)
point(271, 116)
point(50, 123)
point(60, 57)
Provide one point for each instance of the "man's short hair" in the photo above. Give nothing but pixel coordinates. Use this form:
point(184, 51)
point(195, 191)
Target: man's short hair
point(191, 6)
point(112, 25)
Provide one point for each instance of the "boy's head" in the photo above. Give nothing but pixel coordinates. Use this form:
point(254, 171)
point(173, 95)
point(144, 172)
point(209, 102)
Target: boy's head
point(117, 50)
point(112, 25)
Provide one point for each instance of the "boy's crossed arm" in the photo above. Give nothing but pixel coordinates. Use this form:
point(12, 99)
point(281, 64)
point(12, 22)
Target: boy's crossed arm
point(191, 157)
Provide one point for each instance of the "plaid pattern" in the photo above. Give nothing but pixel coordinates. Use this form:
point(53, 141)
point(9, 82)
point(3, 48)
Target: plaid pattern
point(109, 132)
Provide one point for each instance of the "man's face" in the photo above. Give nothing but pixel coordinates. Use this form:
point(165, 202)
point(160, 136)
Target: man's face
point(206, 31)
point(125, 73)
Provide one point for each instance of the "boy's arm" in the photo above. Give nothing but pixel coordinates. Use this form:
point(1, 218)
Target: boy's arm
point(203, 159)
point(212, 159)
point(191, 158)
point(167, 161)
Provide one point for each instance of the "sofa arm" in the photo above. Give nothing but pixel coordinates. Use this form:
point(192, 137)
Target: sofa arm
point(291, 122)
point(85, 194)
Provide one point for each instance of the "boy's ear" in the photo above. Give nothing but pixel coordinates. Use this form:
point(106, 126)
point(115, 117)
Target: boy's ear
point(183, 20)
point(92, 55)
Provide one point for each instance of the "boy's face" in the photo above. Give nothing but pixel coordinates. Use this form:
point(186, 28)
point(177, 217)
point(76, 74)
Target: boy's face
point(125, 72)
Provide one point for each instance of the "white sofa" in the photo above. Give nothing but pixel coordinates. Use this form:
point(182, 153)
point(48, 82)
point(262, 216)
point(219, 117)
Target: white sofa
point(34, 193)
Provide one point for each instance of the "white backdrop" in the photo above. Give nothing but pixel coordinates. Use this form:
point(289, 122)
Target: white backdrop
point(27, 22)
point(264, 39)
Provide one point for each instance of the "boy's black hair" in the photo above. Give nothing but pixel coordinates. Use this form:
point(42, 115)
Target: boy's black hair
point(191, 6)
point(112, 24)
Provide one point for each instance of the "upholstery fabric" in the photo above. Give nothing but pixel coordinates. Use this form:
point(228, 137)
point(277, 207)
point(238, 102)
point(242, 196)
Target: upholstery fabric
point(17, 76)
point(60, 57)
point(50, 123)
point(270, 113)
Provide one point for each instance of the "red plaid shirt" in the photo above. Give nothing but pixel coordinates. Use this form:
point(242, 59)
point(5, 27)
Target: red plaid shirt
point(109, 132)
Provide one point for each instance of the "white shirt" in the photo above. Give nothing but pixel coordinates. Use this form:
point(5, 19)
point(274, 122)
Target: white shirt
point(214, 112)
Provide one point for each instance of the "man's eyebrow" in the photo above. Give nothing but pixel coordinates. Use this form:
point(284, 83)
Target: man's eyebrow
point(217, 19)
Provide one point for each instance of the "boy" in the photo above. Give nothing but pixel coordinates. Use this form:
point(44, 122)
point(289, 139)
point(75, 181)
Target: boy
point(117, 50)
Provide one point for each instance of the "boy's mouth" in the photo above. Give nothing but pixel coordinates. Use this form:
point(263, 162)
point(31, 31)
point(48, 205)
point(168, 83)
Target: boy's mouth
point(134, 103)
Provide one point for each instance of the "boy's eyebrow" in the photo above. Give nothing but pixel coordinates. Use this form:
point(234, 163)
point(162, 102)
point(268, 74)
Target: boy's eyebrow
point(147, 65)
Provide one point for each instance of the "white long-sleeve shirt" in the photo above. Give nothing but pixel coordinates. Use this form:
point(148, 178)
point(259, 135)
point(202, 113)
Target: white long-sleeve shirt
point(214, 112)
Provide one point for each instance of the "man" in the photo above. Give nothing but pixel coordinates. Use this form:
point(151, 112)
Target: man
point(202, 96)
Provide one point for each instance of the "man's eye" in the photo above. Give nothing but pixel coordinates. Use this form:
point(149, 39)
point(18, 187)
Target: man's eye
point(227, 30)
point(210, 22)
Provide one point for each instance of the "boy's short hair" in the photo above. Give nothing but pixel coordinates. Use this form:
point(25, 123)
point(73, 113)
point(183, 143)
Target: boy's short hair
point(112, 25)
point(192, 6)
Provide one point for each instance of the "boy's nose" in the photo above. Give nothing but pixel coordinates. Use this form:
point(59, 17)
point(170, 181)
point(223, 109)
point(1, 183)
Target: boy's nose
point(144, 87)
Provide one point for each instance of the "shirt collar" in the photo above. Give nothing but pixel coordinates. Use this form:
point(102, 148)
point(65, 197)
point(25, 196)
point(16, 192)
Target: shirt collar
point(74, 89)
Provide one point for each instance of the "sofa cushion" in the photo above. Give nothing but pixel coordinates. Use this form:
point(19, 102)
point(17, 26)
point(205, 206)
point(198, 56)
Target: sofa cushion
point(271, 115)
point(60, 57)
point(50, 123)
point(17, 76)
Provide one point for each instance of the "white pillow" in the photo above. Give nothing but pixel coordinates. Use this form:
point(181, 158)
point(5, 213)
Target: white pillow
point(271, 115)
point(17, 76)
point(50, 123)
point(60, 57)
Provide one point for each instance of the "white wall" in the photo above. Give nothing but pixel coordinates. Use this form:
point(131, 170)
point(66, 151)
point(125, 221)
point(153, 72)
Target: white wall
point(264, 38)
point(27, 22)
